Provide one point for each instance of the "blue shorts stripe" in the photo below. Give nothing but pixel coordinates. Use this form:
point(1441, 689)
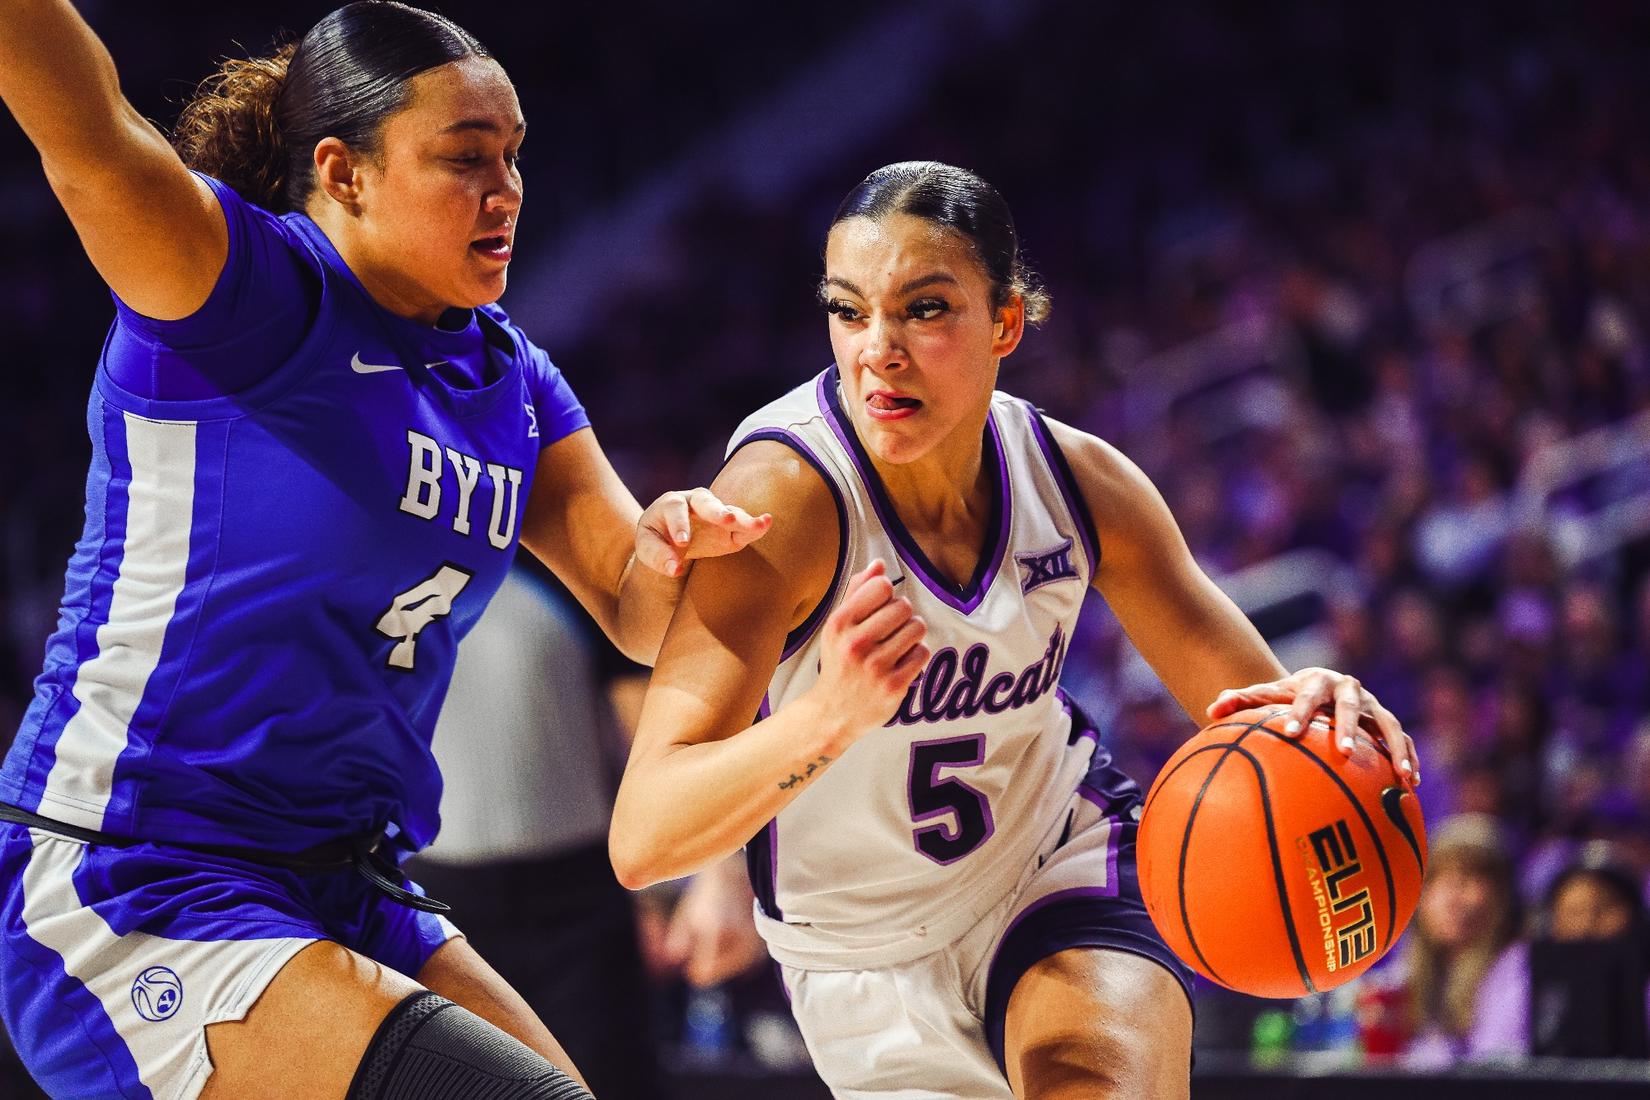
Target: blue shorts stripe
point(51, 1014)
point(55, 1019)
point(100, 921)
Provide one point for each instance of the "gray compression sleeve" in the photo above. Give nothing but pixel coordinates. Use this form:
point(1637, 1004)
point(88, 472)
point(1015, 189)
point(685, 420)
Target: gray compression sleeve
point(428, 1048)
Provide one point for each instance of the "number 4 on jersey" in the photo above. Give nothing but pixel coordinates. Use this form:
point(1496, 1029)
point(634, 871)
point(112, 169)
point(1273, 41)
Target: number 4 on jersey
point(417, 608)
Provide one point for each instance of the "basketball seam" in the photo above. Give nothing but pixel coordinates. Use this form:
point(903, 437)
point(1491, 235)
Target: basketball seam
point(1185, 845)
point(1191, 818)
point(1277, 867)
point(1363, 815)
point(1158, 785)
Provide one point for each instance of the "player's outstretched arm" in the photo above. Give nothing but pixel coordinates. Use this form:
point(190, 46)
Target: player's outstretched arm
point(1195, 638)
point(152, 230)
point(1187, 629)
point(702, 779)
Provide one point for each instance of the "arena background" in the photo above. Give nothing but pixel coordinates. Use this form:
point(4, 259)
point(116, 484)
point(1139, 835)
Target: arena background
point(1364, 288)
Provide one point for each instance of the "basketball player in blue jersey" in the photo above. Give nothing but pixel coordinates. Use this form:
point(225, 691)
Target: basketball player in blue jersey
point(315, 447)
point(943, 854)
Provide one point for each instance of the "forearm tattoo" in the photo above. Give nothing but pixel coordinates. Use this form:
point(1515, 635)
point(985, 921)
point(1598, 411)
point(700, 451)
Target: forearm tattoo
point(807, 773)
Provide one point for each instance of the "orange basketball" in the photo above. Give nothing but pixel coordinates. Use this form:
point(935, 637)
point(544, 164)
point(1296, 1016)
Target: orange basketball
point(1274, 865)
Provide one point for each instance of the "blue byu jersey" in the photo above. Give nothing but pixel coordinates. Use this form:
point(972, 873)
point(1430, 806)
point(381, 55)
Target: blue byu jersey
point(261, 617)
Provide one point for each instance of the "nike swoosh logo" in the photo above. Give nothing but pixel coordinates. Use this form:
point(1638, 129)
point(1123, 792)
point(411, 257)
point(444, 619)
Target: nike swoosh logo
point(359, 367)
point(1392, 802)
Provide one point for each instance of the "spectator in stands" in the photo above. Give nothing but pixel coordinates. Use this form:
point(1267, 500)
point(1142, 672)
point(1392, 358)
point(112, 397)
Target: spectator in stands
point(1458, 962)
point(1588, 972)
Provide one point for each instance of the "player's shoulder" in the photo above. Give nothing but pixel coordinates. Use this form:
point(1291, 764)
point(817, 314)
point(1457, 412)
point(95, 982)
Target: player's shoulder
point(1124, 507)
point(249, 222)
point(793, 413)
point(796, 560)
point(772, 474)
point(779, 460)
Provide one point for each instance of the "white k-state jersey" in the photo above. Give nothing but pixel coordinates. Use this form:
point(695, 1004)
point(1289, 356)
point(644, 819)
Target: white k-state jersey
point(920, 827)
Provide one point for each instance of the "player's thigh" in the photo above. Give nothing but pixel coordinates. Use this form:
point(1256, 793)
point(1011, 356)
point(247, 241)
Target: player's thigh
point(307, 1032)
point(462, 976)
point(1097, 1022)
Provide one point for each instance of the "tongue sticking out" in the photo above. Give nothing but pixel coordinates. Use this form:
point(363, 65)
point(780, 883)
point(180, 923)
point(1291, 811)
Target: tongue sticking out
point(886, 403)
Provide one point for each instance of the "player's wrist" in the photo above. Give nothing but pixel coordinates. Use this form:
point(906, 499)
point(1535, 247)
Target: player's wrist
point(831, 721)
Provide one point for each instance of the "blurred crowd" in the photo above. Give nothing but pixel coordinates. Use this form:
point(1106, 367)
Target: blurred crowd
point(1343, 279)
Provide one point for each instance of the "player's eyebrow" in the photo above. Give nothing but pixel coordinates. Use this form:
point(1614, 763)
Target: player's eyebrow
point(915, 284)
point(928, 280)
point(486, 124)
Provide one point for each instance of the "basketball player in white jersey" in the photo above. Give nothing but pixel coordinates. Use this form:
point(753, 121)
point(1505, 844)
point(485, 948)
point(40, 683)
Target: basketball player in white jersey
point(942, 853)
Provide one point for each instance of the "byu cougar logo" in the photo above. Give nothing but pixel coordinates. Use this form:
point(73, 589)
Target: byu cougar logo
point(157, 993)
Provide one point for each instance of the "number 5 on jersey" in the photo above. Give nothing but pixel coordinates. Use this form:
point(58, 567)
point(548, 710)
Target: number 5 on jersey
point(417, 608)
point(966, 811)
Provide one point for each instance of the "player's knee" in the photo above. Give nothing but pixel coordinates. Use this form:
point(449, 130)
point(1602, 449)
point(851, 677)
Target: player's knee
point(428, 1048)
point(1105, 1063)
point(1098, 1024)
point(1064, 1067)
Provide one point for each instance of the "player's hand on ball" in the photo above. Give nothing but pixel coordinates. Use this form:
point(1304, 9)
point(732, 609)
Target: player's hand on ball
point(693, 523)
point(1314, 690)
point(873, 650)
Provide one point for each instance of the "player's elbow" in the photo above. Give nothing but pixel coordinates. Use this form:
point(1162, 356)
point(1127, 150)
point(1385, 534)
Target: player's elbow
point(638, 859)
point(643, 651)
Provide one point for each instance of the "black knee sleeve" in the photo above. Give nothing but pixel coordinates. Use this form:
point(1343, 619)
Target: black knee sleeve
point(428, 1048)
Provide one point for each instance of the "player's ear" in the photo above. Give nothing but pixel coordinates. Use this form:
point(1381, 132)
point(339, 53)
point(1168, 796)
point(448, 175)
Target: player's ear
point(1010, 326)
point(337, 174)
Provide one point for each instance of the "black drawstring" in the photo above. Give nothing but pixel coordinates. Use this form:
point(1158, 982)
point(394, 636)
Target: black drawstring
point(384, 874)
point(361, 854)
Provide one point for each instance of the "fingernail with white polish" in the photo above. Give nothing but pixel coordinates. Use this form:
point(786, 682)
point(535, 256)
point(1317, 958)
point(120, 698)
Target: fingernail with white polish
point(1292, 726)
point(1346, 744)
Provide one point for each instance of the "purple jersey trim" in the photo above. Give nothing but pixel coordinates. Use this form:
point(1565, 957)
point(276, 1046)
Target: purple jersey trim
point(1110, 788)
point(1081, 724)
point(1069, 490)
point(1112, 916)
point(762, 853)
point(1073, 920)
point(797, 638)
point(969, 596)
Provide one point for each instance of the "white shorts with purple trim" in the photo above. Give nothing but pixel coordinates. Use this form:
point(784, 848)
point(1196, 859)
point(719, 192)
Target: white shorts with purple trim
point(933, 1027)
